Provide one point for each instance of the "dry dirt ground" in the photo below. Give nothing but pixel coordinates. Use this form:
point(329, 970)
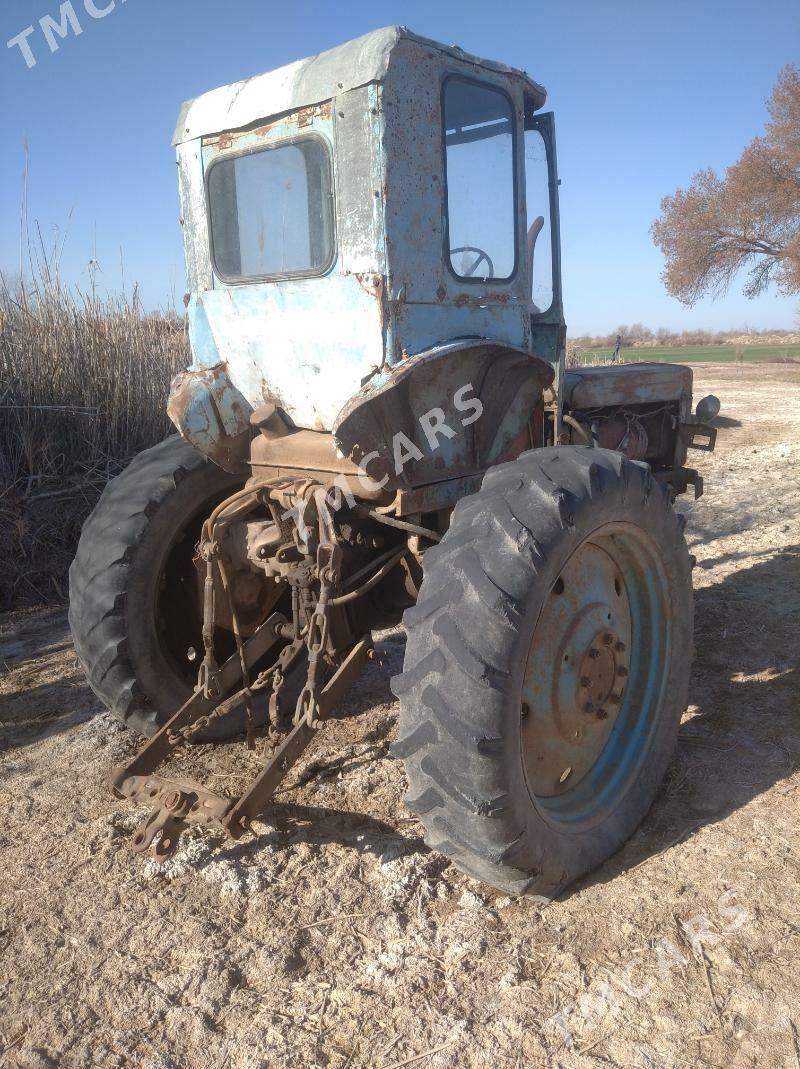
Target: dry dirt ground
point(335, 938)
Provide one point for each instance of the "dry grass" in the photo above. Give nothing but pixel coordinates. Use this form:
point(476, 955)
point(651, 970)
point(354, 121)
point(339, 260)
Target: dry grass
point(83, 386)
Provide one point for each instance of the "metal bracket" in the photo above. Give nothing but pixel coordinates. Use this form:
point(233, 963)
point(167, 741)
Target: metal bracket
point(177, 804)
point(689, 432)
point(680, 479)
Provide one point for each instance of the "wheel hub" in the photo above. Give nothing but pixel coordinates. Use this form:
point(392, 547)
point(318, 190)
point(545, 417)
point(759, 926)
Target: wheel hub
point(577, 671)
point(602, 675)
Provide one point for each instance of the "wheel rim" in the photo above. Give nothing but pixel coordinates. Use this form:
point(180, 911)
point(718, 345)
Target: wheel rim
point(595, 676)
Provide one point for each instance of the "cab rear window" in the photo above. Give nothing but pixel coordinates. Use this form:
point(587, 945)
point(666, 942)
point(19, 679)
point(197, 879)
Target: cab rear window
point(271, 211)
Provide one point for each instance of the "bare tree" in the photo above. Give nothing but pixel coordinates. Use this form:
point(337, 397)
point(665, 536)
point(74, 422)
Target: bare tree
point(750, 218)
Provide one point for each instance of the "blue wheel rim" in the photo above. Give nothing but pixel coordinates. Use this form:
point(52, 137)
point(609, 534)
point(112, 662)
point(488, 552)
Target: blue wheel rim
point(595, 677)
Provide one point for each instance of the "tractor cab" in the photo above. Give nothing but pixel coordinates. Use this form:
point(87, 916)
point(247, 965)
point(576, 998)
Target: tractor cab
point(348, 212)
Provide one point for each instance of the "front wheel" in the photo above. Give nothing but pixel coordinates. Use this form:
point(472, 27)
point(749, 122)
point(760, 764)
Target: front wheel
point(546, 667)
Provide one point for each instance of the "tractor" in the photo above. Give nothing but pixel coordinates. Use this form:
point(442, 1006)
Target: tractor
point(378, 427)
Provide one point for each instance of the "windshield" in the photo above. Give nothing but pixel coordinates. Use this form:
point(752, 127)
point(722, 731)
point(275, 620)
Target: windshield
point(271, 211)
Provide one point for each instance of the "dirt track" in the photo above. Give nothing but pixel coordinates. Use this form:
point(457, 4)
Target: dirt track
point(335, 938)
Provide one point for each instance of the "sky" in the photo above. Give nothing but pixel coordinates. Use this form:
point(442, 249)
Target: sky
point(644, 93)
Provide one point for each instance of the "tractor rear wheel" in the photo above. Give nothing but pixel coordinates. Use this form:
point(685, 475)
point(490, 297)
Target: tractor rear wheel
point(546, 667)
point(134, 606)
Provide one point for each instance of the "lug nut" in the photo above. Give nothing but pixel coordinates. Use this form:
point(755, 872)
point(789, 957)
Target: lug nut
point(608, 639)
point(619, 647)
point(602, 714)
point(585, 681)
point(622, 671)
point(594, 653)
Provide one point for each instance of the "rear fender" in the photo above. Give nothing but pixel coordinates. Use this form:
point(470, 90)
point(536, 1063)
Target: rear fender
point(449, 412)
point(213, 415)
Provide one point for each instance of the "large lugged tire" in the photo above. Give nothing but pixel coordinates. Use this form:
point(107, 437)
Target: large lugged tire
point(546, 668)
point(133, 596)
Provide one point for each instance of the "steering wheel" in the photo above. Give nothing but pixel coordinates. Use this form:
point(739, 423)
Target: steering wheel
point(481, 256)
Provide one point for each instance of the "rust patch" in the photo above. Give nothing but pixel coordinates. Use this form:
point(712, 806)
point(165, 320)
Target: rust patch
point(469, 300)
point(271, 396)
point(301, 118)
point(374, 285)
point(371, 283)
point(209, 412)
point(305, 116)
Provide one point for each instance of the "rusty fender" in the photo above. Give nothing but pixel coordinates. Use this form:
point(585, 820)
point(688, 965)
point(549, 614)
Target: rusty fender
point(213, 415)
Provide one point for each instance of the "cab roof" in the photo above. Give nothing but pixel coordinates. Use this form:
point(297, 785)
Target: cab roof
point(311, 81)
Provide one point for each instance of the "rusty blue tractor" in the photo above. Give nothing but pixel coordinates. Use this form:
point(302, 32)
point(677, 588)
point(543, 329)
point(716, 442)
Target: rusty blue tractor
point(378, 426)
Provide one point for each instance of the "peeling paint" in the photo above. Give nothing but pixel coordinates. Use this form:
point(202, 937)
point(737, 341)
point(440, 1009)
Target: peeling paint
point(212, 414)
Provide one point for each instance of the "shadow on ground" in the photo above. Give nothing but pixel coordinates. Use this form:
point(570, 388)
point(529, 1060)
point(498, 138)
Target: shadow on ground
point(744, 734)
point(45, 691)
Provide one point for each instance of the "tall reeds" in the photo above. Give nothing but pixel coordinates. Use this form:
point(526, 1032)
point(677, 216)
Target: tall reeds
point(83, 387)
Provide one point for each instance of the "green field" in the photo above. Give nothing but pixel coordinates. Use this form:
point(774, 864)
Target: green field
point(687, 354)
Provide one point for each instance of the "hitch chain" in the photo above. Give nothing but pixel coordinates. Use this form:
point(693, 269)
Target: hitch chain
point(273, 677)
point(329, 562)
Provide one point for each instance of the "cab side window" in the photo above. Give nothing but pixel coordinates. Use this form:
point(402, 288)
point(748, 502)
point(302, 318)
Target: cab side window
point(481, 180)
point(539, 242)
